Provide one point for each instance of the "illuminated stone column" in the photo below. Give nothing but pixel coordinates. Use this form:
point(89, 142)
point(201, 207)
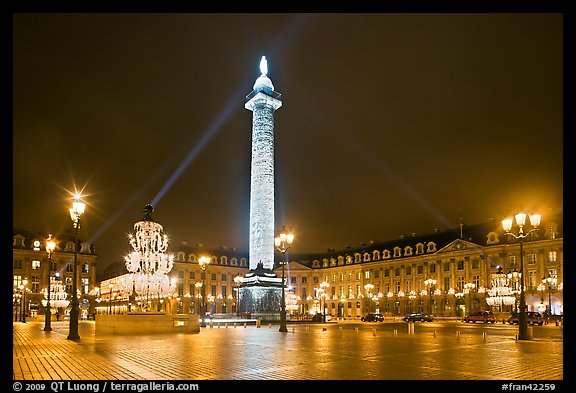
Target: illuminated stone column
point(262, 101)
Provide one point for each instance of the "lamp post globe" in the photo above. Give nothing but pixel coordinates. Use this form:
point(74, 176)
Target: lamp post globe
point(203, 261)
point(50, 247)
point(507, 226)
point(283, 241)
point(76, 211)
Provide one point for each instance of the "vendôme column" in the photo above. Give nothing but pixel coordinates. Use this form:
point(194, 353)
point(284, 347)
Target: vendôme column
point(260, 290)
point(263, 101)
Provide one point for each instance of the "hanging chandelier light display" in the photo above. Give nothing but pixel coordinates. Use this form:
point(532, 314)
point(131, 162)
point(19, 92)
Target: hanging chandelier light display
point(148, 265)
point(57, 295)
point(500, 294)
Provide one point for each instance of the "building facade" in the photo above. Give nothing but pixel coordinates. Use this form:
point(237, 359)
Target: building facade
point(32, 268)
point(448, 273)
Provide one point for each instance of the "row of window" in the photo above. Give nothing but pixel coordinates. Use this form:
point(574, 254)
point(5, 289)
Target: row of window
point(36, 265)
point(35, 285)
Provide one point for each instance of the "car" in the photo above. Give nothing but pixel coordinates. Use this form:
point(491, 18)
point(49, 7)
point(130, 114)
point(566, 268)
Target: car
point(319, 317)
point(419, 316)
point(372, 317)
point(533, 318)
point(480, 316)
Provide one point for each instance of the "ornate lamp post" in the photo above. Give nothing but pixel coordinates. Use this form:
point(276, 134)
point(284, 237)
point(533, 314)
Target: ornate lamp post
point(323, 296)
point(368, 288)
point(23, 305)
point(513, 278)
point(198, 285)
point(282, 241)
point(50, 247)
point(549, 281)
point(203, 261)
point(507, 225)
point(75, 214)
point(110, 287)
point(430, 283)
point(469, 287)
point(238, 281)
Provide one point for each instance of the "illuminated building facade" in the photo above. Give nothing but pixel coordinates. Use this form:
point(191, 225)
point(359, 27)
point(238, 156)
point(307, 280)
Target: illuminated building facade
point(396, 271)
point(30, 262)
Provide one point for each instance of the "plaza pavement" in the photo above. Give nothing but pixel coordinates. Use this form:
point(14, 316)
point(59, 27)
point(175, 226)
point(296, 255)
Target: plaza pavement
point(331, 351)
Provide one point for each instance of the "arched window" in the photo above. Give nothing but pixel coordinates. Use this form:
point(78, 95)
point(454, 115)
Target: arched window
point(375, 255)
point(420, 248)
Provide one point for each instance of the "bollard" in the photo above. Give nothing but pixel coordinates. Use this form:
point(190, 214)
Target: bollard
point(434, 333)
point(484, 335)
point(234, 324)
point(258, 323)
point(395, 332)
point(218, 325)
point(374, 331)
point(458, 333)
point(226, 325)
point(244, 324)
point(410, 327)
point(356, 329)
point(211, 324)
point(269, 326)
point(516, 338)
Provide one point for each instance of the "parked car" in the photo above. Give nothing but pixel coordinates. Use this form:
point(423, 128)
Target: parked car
point(371, 317)
point(480, 316)
point(534, 318)
point(319, 317)
point(418, 316)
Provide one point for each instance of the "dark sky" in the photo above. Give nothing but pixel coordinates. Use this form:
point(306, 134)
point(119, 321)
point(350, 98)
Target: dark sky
point(391, 123)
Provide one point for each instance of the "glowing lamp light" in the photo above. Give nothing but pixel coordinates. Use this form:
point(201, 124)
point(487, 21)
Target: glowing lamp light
point(507, 224)
point(78, 207)
point(521, 219)
point(535, 219)
point(50, 244)
point(203, 261)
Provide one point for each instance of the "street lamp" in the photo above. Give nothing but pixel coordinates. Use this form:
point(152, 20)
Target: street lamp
point(75, 214)
point(198, 285)
point(282, 241)
point(238, 281)
point(430, 282)
point(513, 278)
point(323, 296)
point(469, 287)
point(23, 306)
point(203, 261)
point(368, 288)
point(549, 281)
point(110, 287)
point(50, 247)
point(507, 225)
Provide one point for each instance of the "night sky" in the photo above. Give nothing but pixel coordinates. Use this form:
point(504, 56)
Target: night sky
point(391, 123)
